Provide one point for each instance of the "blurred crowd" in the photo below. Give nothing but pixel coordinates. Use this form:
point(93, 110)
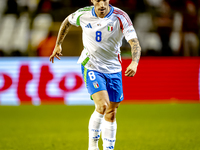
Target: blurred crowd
point(164, 27)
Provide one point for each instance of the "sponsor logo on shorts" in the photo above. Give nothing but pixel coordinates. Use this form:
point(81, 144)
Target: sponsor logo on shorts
point(121, 96)
point(96, 84)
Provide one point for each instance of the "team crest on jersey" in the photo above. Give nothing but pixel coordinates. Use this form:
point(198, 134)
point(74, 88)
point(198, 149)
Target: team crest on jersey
point(110, 26)
point(96, 84)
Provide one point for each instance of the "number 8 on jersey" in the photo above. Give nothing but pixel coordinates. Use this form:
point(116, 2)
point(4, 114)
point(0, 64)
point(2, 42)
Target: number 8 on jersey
point(98, 36)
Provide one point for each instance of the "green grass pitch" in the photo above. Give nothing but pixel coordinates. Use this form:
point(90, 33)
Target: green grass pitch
point(61, 127)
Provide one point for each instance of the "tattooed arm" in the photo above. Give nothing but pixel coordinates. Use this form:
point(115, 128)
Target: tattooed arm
point(136, 52)
point(64, 28)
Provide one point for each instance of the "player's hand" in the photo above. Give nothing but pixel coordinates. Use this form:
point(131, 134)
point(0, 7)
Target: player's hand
point(56, 53)
point(131, 69)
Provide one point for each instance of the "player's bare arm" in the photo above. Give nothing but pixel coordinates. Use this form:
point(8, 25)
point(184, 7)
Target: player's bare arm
point(64, 28)
point(136, 52)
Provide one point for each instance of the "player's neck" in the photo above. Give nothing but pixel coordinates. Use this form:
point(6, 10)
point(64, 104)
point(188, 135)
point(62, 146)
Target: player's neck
point(103, 15)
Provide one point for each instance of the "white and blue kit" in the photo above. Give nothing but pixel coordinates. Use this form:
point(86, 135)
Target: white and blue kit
point(102, 39)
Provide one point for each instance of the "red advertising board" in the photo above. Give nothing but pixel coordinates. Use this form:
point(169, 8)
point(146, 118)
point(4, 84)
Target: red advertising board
point(37, 81)
point(163, 78)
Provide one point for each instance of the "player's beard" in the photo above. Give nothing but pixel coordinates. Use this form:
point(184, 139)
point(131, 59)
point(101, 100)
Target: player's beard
point(102, 11)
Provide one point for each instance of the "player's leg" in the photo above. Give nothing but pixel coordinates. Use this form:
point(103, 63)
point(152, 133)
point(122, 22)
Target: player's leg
point(109, 127)
point(101, 100)
point(96, 85)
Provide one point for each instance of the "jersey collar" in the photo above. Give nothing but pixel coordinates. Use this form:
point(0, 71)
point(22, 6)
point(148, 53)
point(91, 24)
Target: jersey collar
point(108, 15)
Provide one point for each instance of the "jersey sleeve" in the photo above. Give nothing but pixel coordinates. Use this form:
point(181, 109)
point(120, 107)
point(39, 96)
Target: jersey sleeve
point(129, 33)
point(126, 25)
point(74, 18)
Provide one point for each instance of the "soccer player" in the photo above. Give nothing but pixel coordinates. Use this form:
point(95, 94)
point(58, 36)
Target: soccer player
point(103, 28)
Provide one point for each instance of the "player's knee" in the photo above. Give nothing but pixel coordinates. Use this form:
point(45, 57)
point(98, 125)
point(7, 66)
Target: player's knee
point(110, 115)
point(102, 107)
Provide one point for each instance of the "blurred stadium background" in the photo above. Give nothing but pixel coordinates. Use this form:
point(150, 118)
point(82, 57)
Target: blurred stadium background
point(168, 31)
point(153, 111)
point(164, 27)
